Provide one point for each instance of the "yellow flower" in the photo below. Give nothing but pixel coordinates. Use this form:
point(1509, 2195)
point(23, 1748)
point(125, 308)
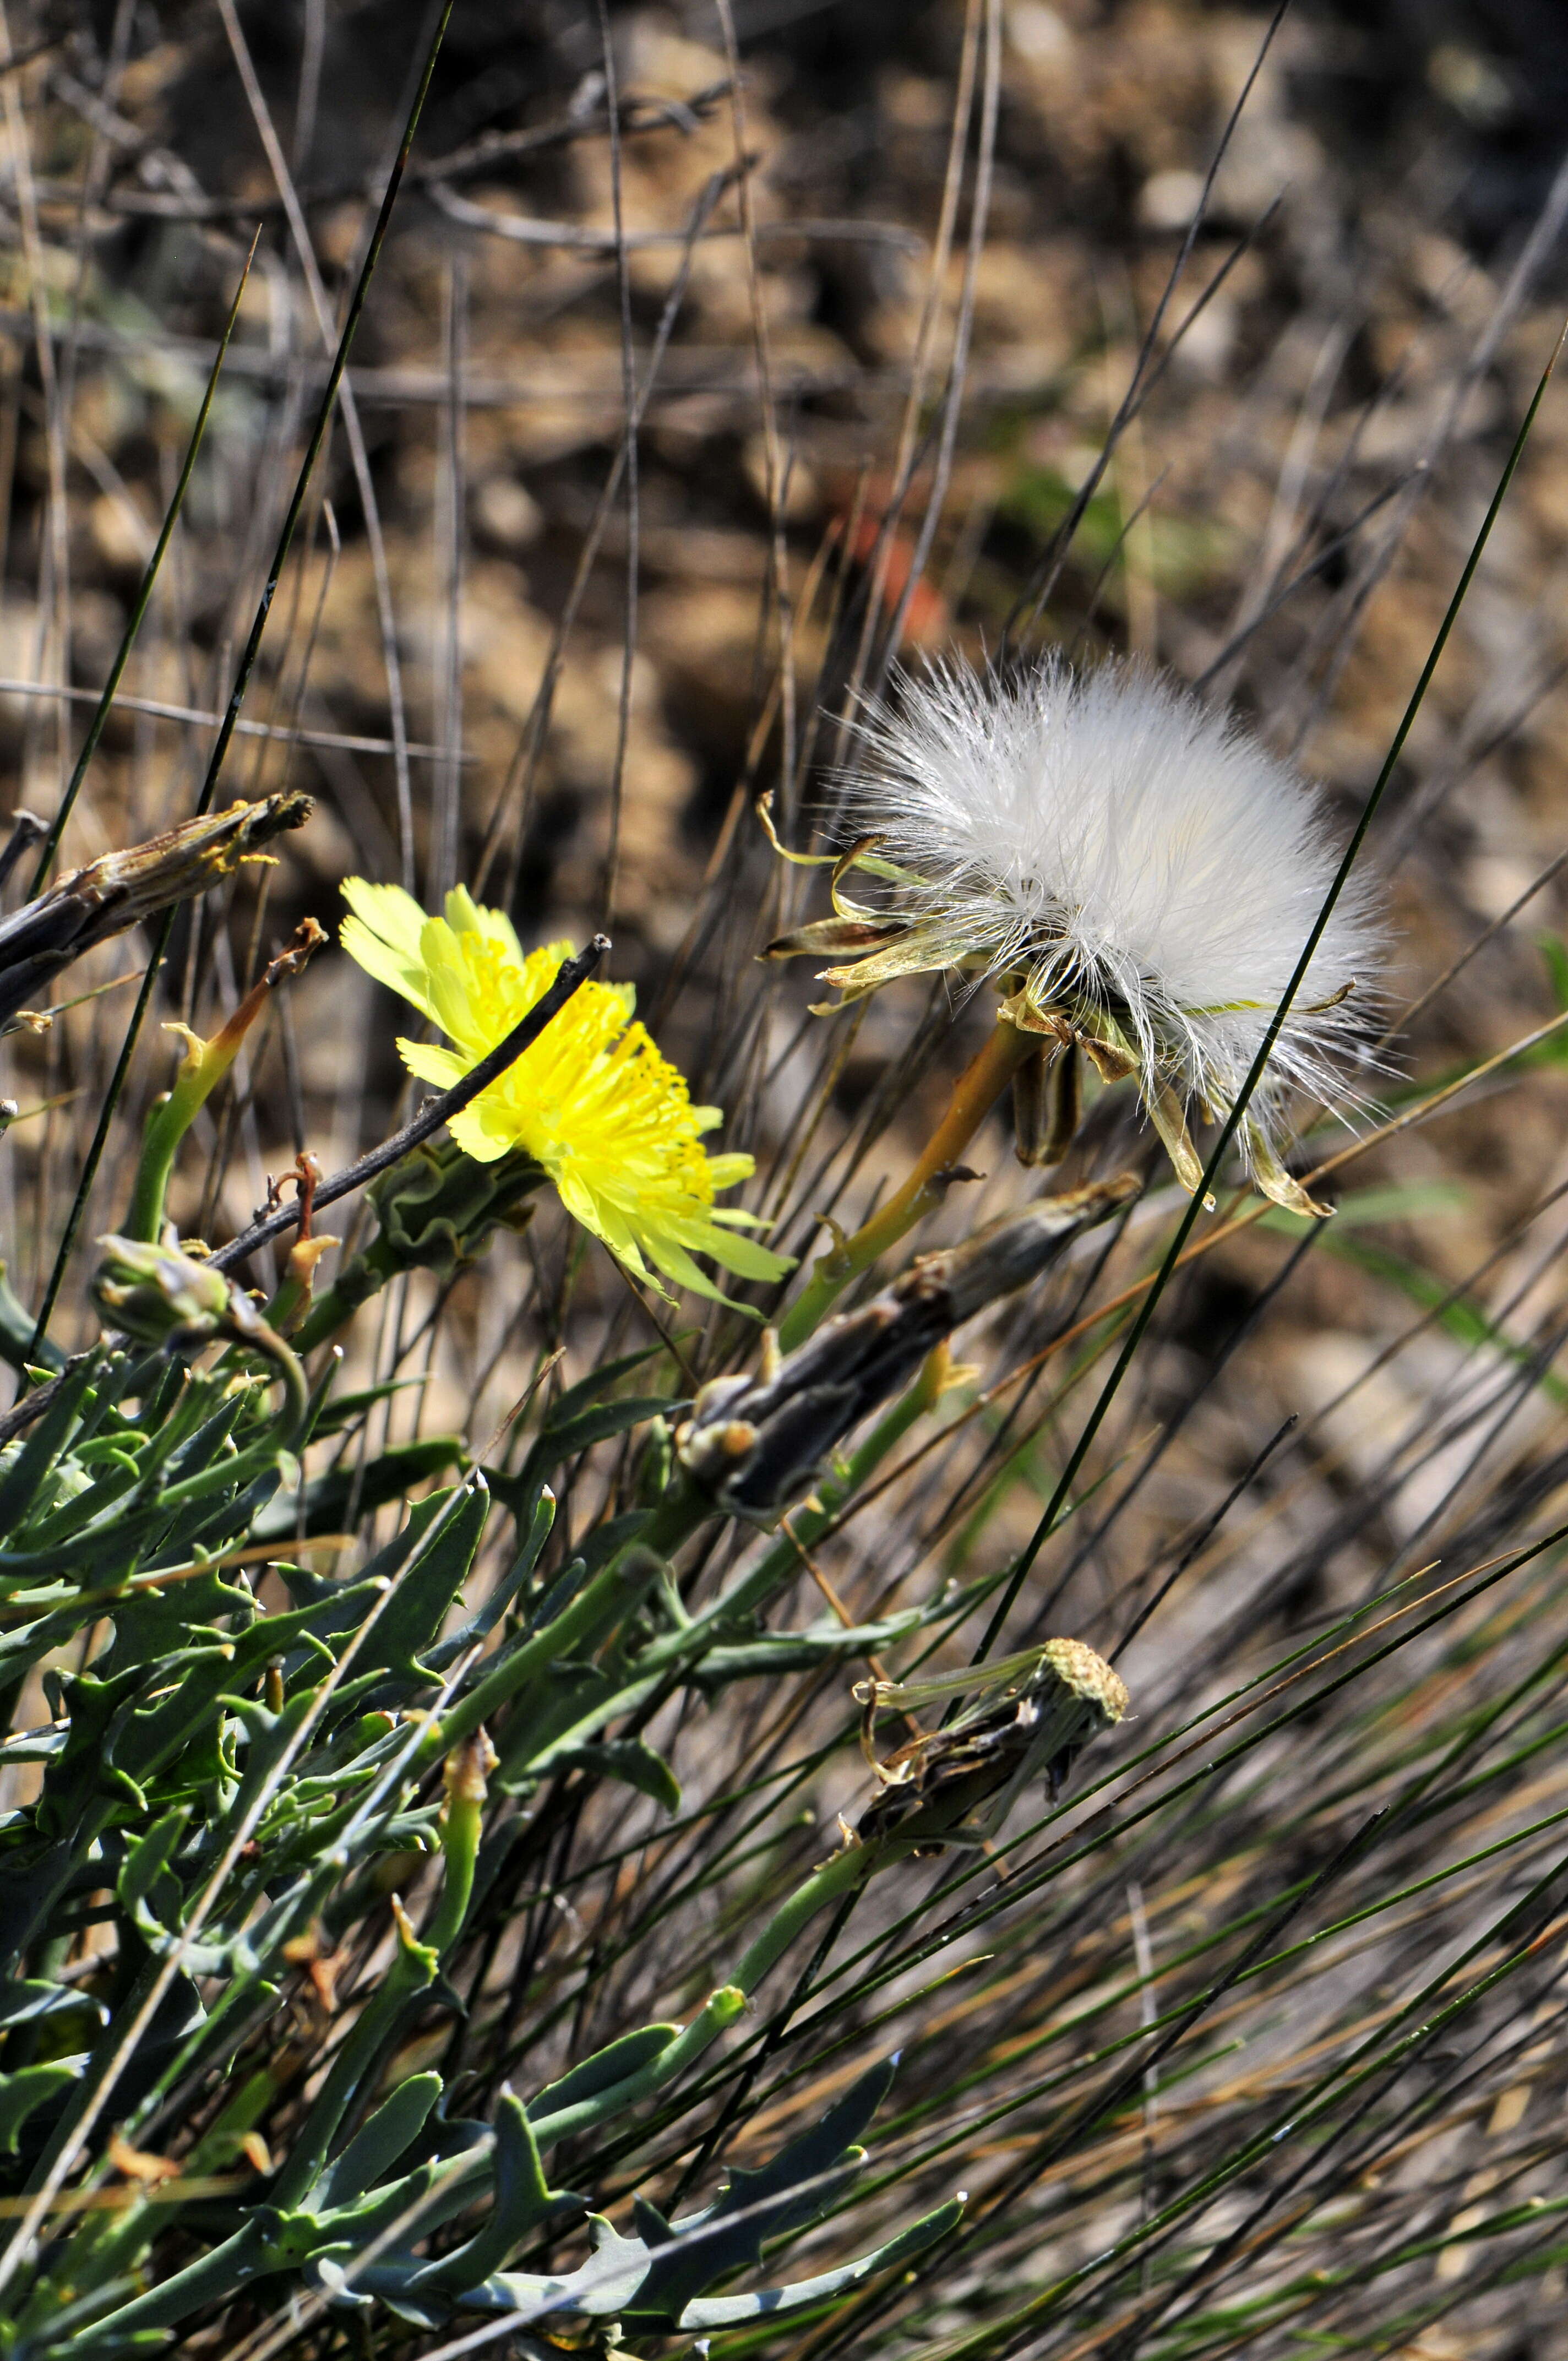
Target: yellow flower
point(593, 1102)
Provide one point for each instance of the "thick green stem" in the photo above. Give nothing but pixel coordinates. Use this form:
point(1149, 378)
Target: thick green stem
point(978, 1089)
point(462, 1830)
point(202, 1069)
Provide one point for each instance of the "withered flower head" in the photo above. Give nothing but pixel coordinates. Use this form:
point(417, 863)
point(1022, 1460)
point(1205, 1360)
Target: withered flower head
point(120, 888)
point(755, 1444)
point(956, 1785)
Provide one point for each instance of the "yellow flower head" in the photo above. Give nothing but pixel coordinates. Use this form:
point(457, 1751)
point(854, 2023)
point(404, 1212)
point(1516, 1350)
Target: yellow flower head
point(592, 1102)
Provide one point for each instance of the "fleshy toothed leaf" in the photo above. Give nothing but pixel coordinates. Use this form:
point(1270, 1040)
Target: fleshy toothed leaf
point(798, 2185)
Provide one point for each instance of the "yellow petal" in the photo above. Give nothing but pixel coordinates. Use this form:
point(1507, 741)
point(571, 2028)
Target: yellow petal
point(464, 916)
point(724, 1171)
point(431, 1063)
point(743, 1256)
point(471, 1128)
point(593, 1102)
point(396, 962)
point(673, 1258)
point(389, 913)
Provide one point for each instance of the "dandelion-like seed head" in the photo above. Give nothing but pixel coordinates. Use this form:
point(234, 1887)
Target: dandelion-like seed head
point(592, 1101)
point(1135, 869)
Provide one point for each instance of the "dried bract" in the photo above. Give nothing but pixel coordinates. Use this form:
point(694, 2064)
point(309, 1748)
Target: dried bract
point(120, 888)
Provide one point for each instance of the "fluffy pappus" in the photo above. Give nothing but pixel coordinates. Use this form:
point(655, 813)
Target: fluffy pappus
point(1126, 855)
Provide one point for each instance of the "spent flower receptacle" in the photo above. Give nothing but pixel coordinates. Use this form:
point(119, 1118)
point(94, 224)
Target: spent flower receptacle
point(956, 1785)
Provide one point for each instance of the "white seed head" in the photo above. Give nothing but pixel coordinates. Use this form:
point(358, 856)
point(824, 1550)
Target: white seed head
point(1122, 846)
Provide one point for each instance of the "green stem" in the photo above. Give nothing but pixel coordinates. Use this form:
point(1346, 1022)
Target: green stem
point(778, 1564)
point(845, 1872)
point(171, 1119)
point(601, 1603)
point(976, 1092)
point(462, 1830)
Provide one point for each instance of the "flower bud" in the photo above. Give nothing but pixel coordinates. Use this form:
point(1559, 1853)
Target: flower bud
point(160, 1296)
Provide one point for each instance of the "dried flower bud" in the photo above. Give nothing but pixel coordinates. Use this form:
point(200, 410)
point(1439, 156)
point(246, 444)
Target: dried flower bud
point(468, 1766)
point(756, 1444)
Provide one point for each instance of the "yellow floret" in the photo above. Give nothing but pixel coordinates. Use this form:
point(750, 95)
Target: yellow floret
point(595, 1103)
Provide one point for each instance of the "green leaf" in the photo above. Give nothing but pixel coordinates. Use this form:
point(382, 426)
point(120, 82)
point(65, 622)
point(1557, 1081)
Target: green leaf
point(388, 1477)
point(713, 2312)
point(425, 1562)
point(523, 2200)
point(598, 1380)
point(580, 1418)
point(824, 1642)
point(23, 2001)
point(344, 1408)
point(1554, 952)
point(480, 1625)
point(800, 2184)
point(603, 2287)
point(145, 1863)
point(631, 1761)
point(20, 1486)
point(563, 1438)
point(22, 2093)
point(615, 2063)
point(377, 2146)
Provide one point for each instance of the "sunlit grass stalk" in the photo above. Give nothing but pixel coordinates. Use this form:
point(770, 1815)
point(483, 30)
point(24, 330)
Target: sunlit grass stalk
point(987, 1076)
